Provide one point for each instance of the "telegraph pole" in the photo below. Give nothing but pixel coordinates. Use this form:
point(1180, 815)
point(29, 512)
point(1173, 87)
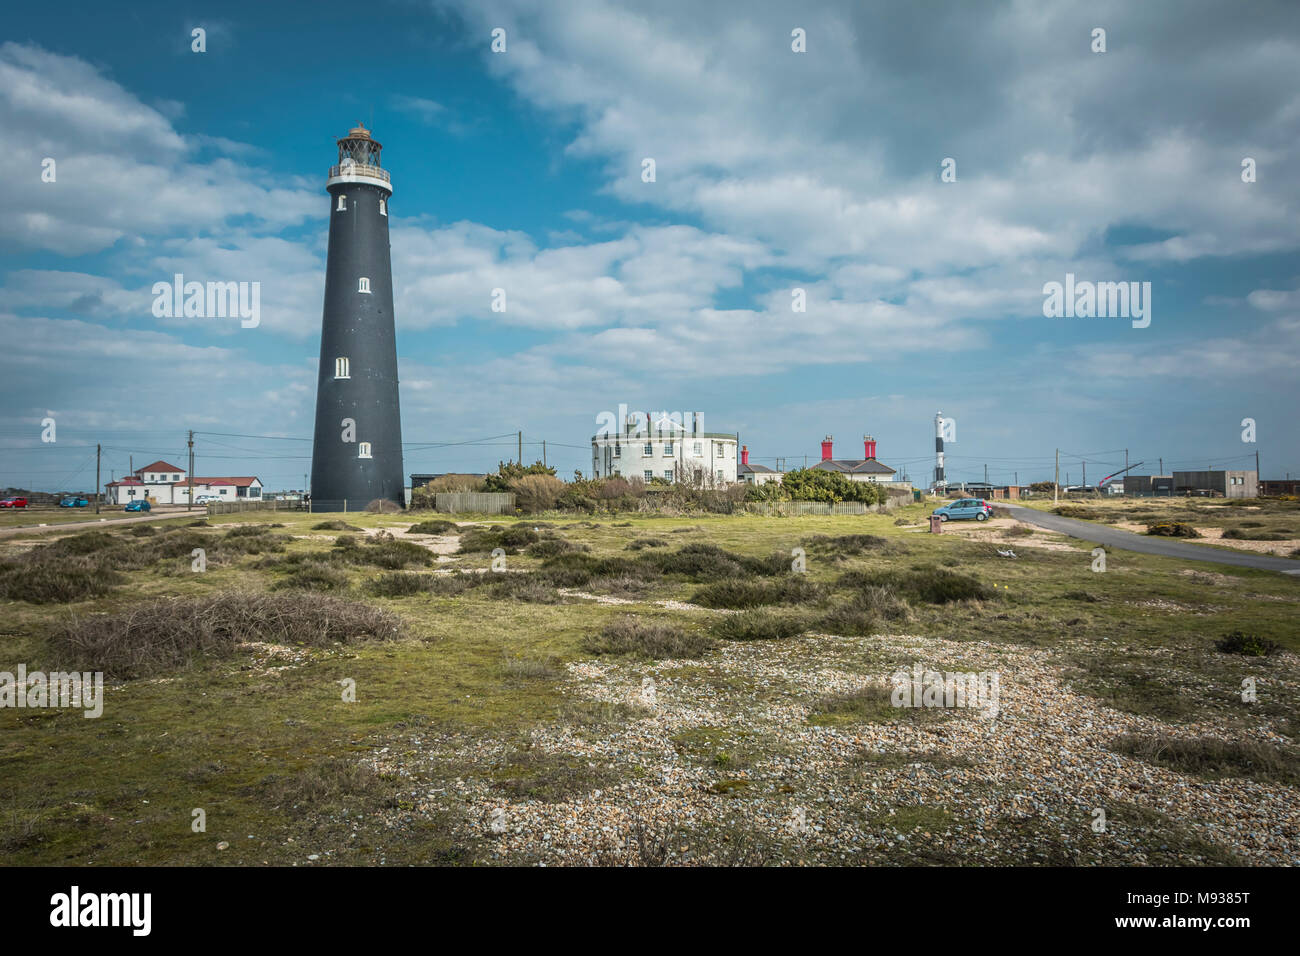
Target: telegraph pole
point(521, 448)
point(96, 479)
point(1085, 476)
point(543, 452)
point(1162, 466)
point(189, 499)
point(1056, 482)
point(986, 474)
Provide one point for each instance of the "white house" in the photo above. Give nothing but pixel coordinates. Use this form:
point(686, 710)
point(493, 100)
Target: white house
point(866, 468)
point(755, 474)
point(166, 484)
point(667, 449)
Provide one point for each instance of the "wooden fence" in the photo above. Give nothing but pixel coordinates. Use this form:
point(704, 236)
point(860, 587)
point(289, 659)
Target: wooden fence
point(245, 504)
point(476, 502)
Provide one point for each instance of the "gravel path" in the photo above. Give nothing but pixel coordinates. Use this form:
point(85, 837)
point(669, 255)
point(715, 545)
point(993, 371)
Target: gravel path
point(1022, 787)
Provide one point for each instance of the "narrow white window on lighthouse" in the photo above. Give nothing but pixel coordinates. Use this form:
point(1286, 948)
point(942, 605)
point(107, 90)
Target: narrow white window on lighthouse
point(363, 449)
point(343, 203)
point(364, 286)
point(342, 368)
point(383, 208)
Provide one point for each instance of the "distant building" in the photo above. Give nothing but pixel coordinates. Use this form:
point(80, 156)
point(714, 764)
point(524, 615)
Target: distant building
point(1147, 485)
point(1229, 484)
point(866, 468)
point(755, 474)
point(667, 449)
point(166, 484)
point(1279, 487)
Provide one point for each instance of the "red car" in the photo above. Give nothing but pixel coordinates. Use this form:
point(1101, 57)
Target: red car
point(13, 503)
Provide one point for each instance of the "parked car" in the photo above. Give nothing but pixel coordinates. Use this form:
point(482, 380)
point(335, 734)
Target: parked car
point(72, 501)
point(976, 508)
point(205, 499)
point(13, 503)
point(141, 504)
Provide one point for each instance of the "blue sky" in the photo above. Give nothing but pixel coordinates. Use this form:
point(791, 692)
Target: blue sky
point(774, 170)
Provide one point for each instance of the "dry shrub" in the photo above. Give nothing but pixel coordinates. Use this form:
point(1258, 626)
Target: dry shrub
point(162, 635)
point(534, 493)
point(653, 639)
point(382, 506)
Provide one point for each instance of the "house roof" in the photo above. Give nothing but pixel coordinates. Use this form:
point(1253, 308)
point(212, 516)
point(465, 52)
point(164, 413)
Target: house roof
point(755, 469)
point(124, 481)
point(854, 466)
point(241, 482)
point(159, 465)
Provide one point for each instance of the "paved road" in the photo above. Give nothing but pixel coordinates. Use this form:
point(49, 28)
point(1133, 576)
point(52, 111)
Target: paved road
point(1165, 547)
point(110, 520)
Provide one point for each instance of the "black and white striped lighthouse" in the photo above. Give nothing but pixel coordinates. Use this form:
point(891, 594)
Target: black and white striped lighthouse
point(357, 453)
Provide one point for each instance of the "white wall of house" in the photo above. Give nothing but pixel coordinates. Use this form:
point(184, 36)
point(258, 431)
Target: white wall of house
point(664, 456)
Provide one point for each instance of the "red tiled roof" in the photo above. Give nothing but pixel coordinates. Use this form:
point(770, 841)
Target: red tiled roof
point(158, 466)
point(125, 481)
point(240, 482)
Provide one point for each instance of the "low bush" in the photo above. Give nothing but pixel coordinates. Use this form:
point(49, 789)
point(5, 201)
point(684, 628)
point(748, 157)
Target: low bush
point(158, 636)
point(740, 593)
point(1172, 529)
point(1215, 758)
point(1249, 645)
point(334, 524)
point(648, 638)
point(382, 506)
point(75, 578)
point(920, 585)
point(640, 544)
point(526, 587)
point(759, 625)
point(313, 576)
point(434, 526)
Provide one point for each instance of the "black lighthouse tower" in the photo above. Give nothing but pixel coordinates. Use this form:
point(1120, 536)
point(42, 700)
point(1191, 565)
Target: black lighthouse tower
point(357, 453)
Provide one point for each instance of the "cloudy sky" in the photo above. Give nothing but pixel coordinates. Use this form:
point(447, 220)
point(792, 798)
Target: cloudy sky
point(775, 170)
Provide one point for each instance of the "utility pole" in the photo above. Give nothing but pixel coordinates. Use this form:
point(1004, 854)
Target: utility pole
point(543, 452)
point(1056, 482)
point(1162, 466)
point(96, 479)
point(189, 498)
point(521, 448)
point(986, 474)
point(1085, 476)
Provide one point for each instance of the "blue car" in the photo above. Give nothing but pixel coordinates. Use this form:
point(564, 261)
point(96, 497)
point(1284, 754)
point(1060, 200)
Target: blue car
point(141, 505)
point(976, 508)
point(72, 501)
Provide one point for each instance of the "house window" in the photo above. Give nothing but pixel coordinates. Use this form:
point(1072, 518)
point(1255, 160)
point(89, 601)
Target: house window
point(343, 204)
point(176, 477)
point(363, 449)
point(364, 285)
point(720, 478)
point(649, 449)
point(254, 491)
point(668, 475)
point(699, 448)
point(649, 475)
point(342, 368)
point(383, 208)
point(618, 451)
point(668, 448)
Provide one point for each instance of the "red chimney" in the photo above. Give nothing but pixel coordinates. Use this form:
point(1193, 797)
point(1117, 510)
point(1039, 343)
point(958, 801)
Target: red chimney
point(869, 445)
point(744, 454)
point(826, 448)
